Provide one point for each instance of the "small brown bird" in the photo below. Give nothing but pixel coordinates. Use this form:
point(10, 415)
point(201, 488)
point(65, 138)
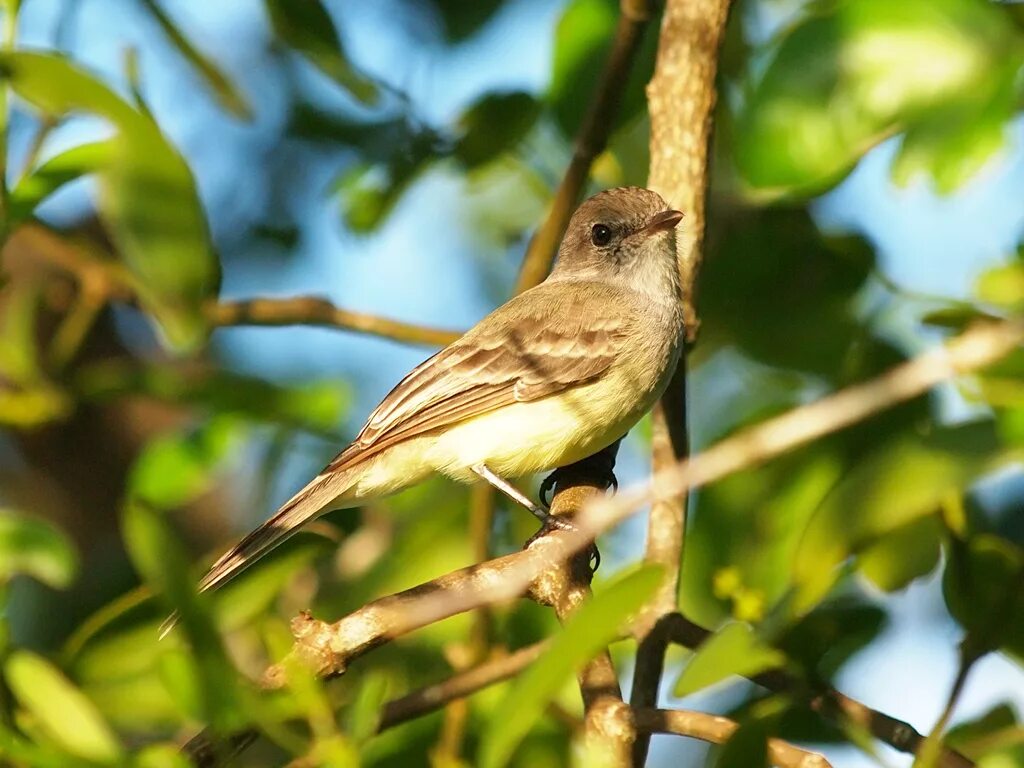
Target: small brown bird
point(553, 376)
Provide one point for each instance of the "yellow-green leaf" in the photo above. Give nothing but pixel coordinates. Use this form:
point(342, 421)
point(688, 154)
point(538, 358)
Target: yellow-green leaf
point(62, 711)
point(735, 649)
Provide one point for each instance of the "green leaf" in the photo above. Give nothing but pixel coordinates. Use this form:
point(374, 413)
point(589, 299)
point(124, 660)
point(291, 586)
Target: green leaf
point(897, 484)
point(229, 97)
point(306, 26)
point(995, 733)
point(162, 756)
point(62, 711)
point(984, 589)
point(746, 748)
point(735, 649)
point(36, 548)
point(363, 717)
point(1002, 286)
point(494, 124)
point(583, 39)
point(148, 197)
point(853, 72)
point(59, 170)
point(902, 555)
point(592, 627)
point(175, 469)
point(157, 555)
point(461, 19)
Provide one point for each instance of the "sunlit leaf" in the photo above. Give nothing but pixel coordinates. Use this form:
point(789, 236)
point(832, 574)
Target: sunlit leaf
point(594, 625)
point(307, 27)
point(854, 72)
point(899, 483)
point(162, 756)
point(148, 197)
point(1002, 286)
point(174, 469)
point(219, 84)
point(59, 170)
point(36, 548)
point(365, 712)
point(735, 649)
point(62, 711)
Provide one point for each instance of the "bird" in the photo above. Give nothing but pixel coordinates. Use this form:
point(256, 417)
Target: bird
point(556, 374)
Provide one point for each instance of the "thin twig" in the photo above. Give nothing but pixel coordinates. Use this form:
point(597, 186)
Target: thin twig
point(718, 730)
point(590, 141)
point(829, 703)
point(312, 310)
point(458, 686)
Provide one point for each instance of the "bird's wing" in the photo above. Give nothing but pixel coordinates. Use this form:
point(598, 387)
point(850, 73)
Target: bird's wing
point(533, 351)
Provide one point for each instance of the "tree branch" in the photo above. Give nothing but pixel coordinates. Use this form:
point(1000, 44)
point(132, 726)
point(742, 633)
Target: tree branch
point(718, 730)
point(590, 141)
point(312, 310)
point(608, 721)
point(681, 99)
point(829, 703)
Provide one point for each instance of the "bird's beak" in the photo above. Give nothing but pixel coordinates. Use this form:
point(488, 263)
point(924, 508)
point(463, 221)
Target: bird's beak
point(664, 221)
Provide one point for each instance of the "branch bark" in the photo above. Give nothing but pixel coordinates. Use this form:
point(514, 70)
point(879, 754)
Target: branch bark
point(718, 730)
point(590, 141)
point(316, 311)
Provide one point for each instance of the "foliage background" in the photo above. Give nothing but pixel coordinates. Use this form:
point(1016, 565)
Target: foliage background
point(866, 198)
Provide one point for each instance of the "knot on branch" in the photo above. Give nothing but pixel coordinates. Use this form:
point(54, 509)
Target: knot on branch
point(313, 649)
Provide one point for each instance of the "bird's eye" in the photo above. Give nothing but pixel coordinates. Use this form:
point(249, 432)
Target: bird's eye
point(601, 234)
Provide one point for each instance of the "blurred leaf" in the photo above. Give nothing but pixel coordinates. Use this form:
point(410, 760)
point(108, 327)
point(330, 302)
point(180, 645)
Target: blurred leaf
point(790, 306)
point(175, 469)
point(63, 712)
point(592, 627)
point(825, 639)
point(157, 555)
point(369, 192)
point(229, 97)
point(583, 39)
point(316, 406)
point(956, 317)
point(853, 72)
point(148, 197)
point(996, 733)
point(162, 756)
point(984, 589)
point(897, 484)
point(364, 714)
point(36, 548)
point(494, 124)
point(59, 170)
point(735, 649)
point(904, 554)
point(746, 748)
point(306, 26)
point(1002, 286)
point(461, 19)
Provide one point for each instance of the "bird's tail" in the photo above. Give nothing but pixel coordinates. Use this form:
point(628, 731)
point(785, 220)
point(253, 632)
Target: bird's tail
point(304, 506)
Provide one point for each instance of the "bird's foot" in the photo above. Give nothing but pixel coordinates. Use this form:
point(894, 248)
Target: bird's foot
point(549, 523)
point(566, 475)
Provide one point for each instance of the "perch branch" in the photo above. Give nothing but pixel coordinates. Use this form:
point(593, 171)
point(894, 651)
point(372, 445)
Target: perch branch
point(718, 730)
point(608, 721)
point(590, 141)
point(312, 310)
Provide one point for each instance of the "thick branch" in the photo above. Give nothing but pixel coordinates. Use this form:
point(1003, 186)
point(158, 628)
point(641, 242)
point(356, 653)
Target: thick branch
point(590, 141)
point(312, 310)
point(608, 721)
point(681, 99)
point(718, 730)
